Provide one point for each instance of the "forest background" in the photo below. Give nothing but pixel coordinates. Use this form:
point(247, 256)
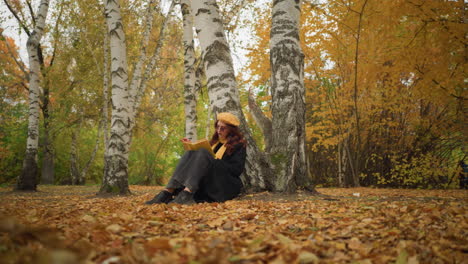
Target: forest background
point(385, 90)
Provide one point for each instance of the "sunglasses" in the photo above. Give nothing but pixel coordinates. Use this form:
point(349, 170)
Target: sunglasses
point(221, 128)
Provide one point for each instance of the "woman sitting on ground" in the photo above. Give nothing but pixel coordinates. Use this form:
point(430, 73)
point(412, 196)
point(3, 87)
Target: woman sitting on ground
point(200, 177)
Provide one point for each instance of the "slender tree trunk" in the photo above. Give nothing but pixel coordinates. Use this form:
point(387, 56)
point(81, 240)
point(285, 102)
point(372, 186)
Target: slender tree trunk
point(355, 97)
point(84, 171)
point(74, 165)
point(47, 174)
point(140, 78)
point(350, 178)
point(222, 85)
point(190, 101)
point(27, 180)
point(288, 103)
point(48, 170)
point(262, 121)
point(116, 174)
point(340, 168)
point(208, 122)
point(77, 175)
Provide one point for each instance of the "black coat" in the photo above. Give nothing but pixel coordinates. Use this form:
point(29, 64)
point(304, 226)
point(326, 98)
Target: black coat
point(223, 182)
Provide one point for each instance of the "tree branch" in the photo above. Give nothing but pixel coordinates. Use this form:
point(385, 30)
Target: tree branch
point(15, 14)
point(11, 52)
point(55, 35)
point(32, 13)
point(262, 121)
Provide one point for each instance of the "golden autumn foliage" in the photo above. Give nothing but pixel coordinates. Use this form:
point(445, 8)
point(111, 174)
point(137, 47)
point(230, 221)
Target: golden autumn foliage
point(385, 90)
point(13, 88)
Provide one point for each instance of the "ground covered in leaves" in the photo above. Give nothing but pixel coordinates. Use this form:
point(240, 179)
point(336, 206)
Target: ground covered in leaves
point(65, 224)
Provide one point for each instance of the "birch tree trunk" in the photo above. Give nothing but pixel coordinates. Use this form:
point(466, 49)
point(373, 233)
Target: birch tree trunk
point(222, 86)
point(105, 101)
point(27, 180)
point(125, 98)
point(116, 174)
point(140, 78)
point(190, 101)
point(288, 104)
point(74, 167)
point(47, 173)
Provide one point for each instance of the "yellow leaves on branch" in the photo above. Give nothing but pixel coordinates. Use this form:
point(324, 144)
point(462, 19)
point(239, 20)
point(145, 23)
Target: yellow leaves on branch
point(410, 56)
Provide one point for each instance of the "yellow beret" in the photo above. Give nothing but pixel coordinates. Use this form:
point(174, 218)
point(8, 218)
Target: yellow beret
point(228, 118)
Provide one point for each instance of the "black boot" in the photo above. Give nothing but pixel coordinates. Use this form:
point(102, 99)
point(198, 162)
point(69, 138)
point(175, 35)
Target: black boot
point(162, 197)
point(184, 197)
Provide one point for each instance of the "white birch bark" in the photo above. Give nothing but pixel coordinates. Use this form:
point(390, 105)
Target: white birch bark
point(105, 100)
point(27, 180)
point(190, 101)
point(125, 98)
point(138, 67)
point(222, 85)
point(288, 103)
point(138, 87)
point(115, 178)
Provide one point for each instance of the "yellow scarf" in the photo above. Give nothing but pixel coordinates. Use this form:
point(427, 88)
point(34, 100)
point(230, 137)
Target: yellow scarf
point(220, 153)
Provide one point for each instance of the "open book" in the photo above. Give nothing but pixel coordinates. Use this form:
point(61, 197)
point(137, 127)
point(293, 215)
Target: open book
point(199, 144)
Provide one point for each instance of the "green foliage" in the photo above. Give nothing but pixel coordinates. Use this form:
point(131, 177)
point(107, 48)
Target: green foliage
point(425, 171)
point(13, 134)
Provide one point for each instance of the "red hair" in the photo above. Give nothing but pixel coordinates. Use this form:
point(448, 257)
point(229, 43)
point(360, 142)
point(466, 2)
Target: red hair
point(234, 137)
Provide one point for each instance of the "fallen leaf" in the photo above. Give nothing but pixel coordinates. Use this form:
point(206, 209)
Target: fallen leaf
point(88, 218)
point(114, 228)
point(307, 257)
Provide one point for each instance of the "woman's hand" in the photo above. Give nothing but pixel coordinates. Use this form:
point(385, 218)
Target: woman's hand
point(185, 140)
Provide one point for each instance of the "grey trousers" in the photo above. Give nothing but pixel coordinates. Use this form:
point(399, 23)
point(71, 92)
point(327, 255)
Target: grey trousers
point(192, 167)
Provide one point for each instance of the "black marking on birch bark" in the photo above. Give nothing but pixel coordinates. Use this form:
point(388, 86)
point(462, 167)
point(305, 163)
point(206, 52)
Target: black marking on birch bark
point(215, 5)
point(112, 11)
point(189, 98)
point(225, 76)
point(217, 20)
point(218, 85)
point(122, 123)
point(113, 32)
point(293, 34)
point(275, 2)
point(282, 55)
point(185, 10)
point(120, 72)
point(198, 31)
point(203, 10)
point(221, 77)
point(216, 52)
point(32, 134)
point(219, 34)
point(117, 145)
point(282, 26)
point(288, 42)
point(231, 104)
point(278, 13)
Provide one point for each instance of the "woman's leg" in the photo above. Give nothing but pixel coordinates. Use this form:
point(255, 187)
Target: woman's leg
point(192, 167)
point(190, 170)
